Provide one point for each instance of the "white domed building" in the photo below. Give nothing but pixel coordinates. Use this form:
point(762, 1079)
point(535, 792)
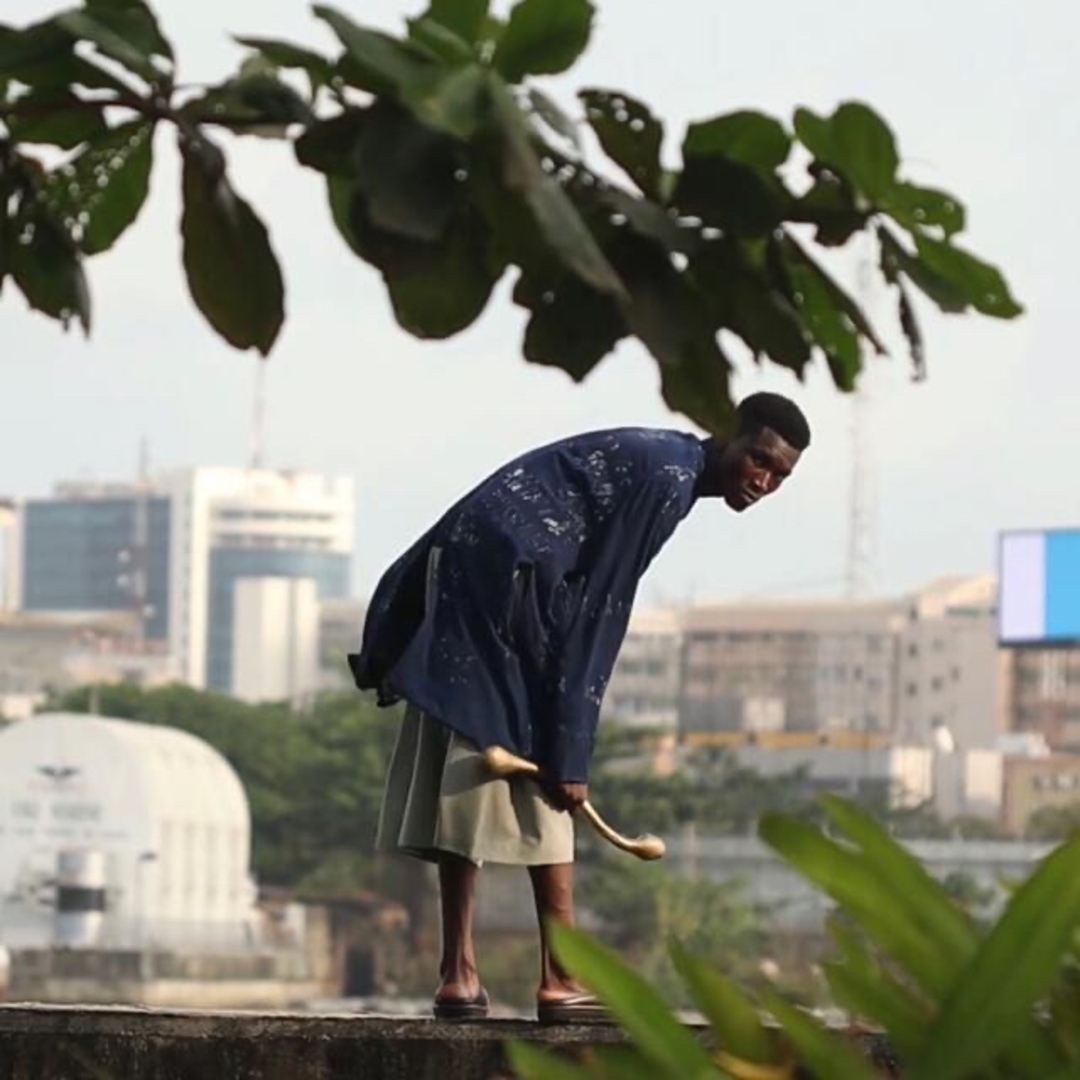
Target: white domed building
point(116, 834)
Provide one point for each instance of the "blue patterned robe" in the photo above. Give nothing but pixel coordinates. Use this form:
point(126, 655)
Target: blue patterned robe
point(514, 642)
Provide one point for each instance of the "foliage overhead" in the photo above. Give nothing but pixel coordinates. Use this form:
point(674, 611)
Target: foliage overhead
point(447, 167)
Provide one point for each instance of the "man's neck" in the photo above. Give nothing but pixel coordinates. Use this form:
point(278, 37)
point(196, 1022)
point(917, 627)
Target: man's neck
point(710, 483)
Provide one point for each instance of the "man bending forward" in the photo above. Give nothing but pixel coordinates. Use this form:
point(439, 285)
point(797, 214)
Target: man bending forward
point(500, 627)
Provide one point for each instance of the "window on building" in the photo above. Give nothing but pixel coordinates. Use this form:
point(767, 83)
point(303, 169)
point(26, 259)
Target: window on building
point(912, 689)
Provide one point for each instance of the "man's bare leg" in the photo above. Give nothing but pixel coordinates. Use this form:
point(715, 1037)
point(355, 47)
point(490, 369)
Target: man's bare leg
point(459, 980)
point(553, 888)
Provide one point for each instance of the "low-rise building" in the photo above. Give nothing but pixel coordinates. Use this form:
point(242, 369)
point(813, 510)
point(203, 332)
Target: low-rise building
point(1037, 783)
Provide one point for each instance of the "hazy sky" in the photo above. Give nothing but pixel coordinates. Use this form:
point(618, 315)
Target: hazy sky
point(982, 97)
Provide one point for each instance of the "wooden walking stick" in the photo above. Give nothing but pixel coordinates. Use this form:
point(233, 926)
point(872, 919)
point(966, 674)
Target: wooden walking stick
point(502, 762)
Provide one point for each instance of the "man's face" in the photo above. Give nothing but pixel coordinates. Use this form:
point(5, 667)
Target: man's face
point(758, 464)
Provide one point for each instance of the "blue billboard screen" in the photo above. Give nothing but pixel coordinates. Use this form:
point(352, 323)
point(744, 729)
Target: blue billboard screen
point(1039, 601)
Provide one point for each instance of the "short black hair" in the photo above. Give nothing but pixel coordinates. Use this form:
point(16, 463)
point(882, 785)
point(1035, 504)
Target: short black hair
point(781, 414)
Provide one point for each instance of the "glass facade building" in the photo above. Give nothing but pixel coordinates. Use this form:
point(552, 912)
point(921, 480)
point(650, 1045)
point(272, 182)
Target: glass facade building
point(79, 554)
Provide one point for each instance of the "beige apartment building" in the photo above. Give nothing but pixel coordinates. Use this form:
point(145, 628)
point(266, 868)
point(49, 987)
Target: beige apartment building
point(907, 669)
point(818, 666)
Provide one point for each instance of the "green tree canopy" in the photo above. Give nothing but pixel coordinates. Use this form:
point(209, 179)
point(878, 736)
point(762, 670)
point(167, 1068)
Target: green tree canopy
point(447, 166)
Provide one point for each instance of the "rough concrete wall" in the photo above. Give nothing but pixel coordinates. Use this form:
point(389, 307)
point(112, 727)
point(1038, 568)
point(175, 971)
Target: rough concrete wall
point(55, 1043)
point(87, 1043)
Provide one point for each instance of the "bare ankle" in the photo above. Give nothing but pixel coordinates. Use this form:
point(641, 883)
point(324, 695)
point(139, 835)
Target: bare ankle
point(555, 988)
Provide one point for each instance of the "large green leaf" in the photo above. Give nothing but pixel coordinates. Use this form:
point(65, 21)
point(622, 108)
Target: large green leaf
point(287, 55)
point(60, 68)
point(881, 1000)
point(464, 17)
point(135, 21)
point(455, 102)
point(644, 217)
point(437, 289)
point(815, 133)
point(634, 1003)
point(56, 117)
point(734, 1019)
point(408, 174)
point(865, 988)
point(284, 54)
point(254, 102)
point(559, 220)
point(856, 141)
point(341, 194)
point(103, 189)
point(124, 36)
point(865, 148)
point(746, 303)
point(447, 46)
point(451, 99)
point(833, 332)
point(232, 272)
point(531, 1063)
point(873, 903)
point(831, 206)
point(1070, 1072)
point(920, 208)
point(981, 283)
point(897, 261)
point(1015, 967)
point(751, 138)
point(672, 319)
point(555, 118)
point(39, 43)
point(700, 387)
point(332, 146)
point(573, 327)
point(822, 1051)
point(622, 1063)
point(730, 196)
point(45, 265)
point(543, 37)
point(375, 61)
point(926, 902)
point(909, 324)
point(630, 135)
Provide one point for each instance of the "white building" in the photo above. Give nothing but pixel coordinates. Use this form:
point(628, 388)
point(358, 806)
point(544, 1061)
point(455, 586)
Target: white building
point(173, 551)
point(275, 654)
point(118, 834)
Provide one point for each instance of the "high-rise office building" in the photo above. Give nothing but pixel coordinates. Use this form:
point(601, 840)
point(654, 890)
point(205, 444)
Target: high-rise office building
point(181, 551)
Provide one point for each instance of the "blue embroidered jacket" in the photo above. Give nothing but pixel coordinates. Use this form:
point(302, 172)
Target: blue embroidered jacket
point(511, 639)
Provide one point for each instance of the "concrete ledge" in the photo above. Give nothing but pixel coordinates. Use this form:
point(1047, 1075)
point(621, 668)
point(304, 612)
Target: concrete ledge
point(104, 1043)
point(50, 1042)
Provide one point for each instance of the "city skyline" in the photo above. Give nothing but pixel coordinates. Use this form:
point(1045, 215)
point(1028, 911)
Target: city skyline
point(955, 459)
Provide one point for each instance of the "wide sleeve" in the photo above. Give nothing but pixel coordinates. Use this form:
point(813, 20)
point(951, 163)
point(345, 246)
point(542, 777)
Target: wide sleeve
point(590, 646)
